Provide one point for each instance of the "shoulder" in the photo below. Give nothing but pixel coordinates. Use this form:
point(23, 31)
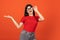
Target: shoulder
point(24, 17)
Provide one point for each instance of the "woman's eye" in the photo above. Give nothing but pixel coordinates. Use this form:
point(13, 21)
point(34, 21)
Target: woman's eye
point(29, 8)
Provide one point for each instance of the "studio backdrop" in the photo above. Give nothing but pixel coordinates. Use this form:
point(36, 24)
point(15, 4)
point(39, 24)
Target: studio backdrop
point(49, 29)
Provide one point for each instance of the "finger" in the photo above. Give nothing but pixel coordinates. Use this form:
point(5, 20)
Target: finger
point(5, 16)
point(33, 7)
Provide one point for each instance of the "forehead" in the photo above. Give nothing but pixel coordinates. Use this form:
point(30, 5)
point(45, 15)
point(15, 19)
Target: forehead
point(29, 7)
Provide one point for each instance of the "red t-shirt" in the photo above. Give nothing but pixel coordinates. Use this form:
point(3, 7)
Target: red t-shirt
point(30, 23)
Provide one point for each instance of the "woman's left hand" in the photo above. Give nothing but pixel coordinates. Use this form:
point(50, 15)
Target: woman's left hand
point(35, 8)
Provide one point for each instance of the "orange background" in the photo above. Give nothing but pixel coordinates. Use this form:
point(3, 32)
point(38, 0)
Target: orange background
point(46, 30)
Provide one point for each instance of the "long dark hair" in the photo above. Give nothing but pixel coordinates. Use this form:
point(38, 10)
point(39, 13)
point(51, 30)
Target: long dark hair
point(26, 13)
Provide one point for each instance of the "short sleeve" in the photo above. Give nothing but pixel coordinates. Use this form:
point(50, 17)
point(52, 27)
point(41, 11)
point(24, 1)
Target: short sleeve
point(37, 17)
point(22, 19)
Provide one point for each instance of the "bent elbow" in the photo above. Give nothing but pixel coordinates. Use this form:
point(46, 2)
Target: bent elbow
point(41, 19)
point(17, 27)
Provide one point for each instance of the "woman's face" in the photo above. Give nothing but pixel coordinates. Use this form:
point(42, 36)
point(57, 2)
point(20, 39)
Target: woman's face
point(30, 10)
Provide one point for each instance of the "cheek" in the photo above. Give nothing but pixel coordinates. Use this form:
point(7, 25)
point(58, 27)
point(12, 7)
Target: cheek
point(32, 10)
point(28, 11)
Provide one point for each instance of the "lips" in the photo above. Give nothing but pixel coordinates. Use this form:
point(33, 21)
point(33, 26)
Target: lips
point(30, 11)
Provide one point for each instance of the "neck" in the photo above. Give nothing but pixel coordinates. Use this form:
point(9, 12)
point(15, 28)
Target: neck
point(30, 14)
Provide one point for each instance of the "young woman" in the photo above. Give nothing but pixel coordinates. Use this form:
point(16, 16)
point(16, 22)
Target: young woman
point(29, 20)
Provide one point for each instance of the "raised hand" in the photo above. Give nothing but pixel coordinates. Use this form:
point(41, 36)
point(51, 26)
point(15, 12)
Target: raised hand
point(35, 8)
point(8, 16)
point(41, 18)
point(14, 21)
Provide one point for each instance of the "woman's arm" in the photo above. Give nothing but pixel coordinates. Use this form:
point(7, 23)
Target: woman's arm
point(41, 18)
point(16, 24)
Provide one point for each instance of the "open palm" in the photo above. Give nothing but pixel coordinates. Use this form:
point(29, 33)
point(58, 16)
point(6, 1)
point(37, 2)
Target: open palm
point(35, 8)
point(8, 16)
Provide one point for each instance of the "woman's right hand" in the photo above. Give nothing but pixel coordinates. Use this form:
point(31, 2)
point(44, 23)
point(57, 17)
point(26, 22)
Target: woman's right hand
point(8, 16)
point(16, 24)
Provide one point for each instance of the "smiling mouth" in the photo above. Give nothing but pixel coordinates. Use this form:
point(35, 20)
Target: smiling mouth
point(30, 11)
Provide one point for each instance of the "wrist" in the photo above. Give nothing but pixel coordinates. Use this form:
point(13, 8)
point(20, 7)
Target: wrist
point(37, 12)
point(12, 18)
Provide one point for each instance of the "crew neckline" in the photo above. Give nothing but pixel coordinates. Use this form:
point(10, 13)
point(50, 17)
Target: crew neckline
point(31, 16)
